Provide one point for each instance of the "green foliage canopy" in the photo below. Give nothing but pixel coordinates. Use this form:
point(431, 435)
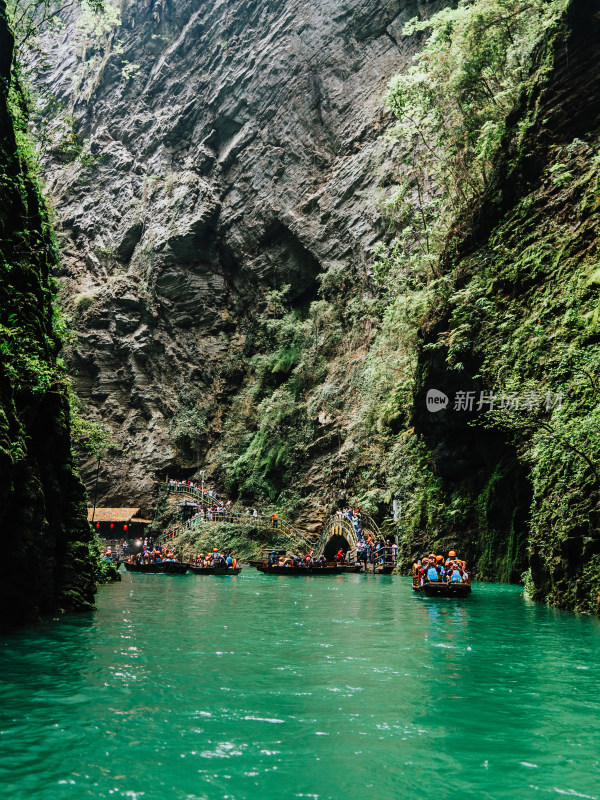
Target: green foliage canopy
point(453, 102)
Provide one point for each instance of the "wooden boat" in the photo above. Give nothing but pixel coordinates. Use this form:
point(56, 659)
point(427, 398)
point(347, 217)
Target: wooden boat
point(263, 560)
point(442, 588)
point(214, 570)
point(149, 568)
point(173, 567)
point(160, 567)
point(329, 568)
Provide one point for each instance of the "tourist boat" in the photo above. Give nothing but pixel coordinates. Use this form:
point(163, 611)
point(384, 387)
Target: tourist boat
point(214, 570)
point(328, 568)
point(159, 567)
point(263, 560)
point(441, 588)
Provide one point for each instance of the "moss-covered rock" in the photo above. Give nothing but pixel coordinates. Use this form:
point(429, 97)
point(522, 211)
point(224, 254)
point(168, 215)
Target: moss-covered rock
point(519, 316)
point(44, 533)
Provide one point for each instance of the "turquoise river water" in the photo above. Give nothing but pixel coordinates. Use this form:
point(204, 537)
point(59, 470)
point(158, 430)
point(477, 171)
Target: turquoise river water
point(337, 687)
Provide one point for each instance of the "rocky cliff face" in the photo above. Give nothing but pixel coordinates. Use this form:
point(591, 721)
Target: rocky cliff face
point(234, 148)
point(220, 202)
point(44, 534)
point(521, 489)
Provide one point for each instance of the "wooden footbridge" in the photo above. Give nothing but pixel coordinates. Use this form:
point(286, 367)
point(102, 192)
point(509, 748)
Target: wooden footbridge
point(338, 531)
point(228, 517)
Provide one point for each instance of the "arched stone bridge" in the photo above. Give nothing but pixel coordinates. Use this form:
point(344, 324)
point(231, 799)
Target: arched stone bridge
point(339, 532)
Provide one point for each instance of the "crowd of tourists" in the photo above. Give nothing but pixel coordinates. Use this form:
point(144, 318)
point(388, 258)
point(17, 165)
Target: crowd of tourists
point(153, 554)
point(117, 550)
point(376, 551)
point(215, 559)
point(353, 515)
point(276, 559)
point(432, 568)
point(211, 494)
point(213, 513)
point(211, 509)
point(369, 550)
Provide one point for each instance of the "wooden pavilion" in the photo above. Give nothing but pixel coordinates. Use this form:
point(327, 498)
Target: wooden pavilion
point(117, 523)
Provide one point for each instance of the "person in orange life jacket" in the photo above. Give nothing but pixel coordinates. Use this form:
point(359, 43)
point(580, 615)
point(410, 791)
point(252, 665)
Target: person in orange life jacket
point(339, 556)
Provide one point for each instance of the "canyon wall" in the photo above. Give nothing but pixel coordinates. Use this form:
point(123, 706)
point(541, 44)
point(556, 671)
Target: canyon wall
point(231, 149)
point(223, 195)
point(44, 534)
point(517, 486)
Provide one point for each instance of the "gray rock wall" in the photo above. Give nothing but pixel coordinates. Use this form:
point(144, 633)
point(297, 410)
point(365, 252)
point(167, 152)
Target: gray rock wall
point(235, 146)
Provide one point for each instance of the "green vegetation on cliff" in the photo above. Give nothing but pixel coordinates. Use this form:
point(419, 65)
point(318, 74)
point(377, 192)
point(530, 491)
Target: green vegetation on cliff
point(490, 285)
point(46, 541)
point(511, 299)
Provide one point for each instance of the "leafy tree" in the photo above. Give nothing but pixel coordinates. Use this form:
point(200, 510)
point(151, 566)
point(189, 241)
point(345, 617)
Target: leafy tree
point(29, 18)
